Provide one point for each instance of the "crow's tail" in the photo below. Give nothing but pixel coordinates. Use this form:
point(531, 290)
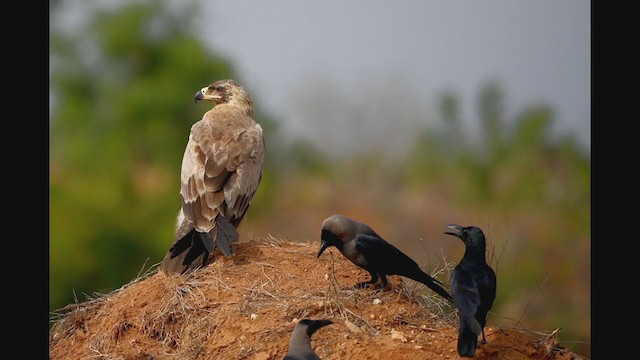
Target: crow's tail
point(432, 284)
point(467, 340)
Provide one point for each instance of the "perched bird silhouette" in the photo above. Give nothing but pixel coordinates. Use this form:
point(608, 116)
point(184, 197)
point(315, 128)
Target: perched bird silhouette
point(365, 248)
point(300, 342)
point(473, 287)
point(221, 169)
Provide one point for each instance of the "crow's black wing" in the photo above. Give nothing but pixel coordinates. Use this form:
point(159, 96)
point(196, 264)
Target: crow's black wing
point(383, 257)
point(466, 297)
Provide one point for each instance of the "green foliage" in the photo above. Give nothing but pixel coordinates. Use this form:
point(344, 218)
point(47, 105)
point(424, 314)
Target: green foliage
point(308, 159)
point(507, 169)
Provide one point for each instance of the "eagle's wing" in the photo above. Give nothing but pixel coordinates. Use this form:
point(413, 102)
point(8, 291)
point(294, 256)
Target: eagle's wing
point(221, 169)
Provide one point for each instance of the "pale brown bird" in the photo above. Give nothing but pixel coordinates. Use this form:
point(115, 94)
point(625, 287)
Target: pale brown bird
point(221, 169)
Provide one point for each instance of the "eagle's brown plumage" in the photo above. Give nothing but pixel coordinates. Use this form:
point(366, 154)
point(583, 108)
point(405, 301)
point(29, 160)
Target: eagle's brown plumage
point(221, 169)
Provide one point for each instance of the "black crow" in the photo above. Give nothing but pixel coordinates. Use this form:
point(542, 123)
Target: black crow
point(300, 342)
point(365, 248)
point(473, 286)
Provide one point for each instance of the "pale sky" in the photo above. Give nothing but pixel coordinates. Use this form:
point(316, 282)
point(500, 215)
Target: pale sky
point(538, 51)
point(362, 71)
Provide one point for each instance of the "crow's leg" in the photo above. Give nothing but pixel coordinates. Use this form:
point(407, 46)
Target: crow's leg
point(374, 279)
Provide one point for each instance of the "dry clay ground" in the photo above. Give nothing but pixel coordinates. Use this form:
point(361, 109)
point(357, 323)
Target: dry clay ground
point(246, 306)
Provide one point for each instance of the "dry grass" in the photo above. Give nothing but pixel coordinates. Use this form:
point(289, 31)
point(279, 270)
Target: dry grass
point(245, 308)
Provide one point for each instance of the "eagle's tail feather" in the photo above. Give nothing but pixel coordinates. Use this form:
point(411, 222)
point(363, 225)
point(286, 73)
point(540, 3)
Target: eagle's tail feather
point(225, 235)
point(189, 252)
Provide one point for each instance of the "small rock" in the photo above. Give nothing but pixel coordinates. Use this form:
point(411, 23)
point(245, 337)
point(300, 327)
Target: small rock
point(352, 327)
point(398, 335)
point(254, 316)
point(377, 301)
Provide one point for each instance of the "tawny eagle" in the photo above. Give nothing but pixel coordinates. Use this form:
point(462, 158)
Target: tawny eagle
point(221, 169)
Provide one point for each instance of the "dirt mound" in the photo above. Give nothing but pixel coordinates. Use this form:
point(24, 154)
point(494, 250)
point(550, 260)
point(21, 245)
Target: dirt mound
point(246, 306)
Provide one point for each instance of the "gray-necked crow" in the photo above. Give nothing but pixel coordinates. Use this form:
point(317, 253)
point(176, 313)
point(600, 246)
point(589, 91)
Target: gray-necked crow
point(365, 248)
point(300, 342)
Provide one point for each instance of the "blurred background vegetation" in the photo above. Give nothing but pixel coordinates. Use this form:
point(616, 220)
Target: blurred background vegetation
point(121, 106)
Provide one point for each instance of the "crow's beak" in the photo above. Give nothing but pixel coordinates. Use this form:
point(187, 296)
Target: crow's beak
point(320, 323)
point(324, 247)
point(457, 230)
